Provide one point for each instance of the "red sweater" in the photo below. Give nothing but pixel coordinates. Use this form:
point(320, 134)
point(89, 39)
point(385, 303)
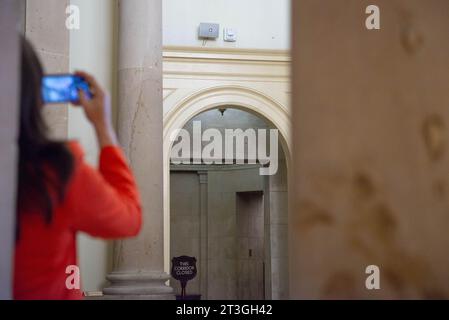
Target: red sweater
point(103, 203)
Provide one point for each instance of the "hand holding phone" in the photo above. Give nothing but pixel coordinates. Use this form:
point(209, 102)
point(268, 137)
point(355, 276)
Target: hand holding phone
point(64, 88)
point(97, 109)
point(82, 90)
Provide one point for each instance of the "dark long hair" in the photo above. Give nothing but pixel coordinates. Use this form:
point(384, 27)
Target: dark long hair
point(45, 166)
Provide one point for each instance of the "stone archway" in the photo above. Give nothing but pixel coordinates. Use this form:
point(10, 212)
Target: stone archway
point(203, 100)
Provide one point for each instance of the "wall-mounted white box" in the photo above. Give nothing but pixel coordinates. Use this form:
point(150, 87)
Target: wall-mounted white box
point(229, 35)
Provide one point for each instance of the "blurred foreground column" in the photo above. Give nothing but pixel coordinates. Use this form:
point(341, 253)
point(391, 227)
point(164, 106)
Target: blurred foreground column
point(138, 263)
point(9, 120)
point(371, 164)
point(45, 28)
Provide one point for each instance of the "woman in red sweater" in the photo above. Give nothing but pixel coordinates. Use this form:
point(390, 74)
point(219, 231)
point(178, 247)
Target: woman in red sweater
point(60, 195)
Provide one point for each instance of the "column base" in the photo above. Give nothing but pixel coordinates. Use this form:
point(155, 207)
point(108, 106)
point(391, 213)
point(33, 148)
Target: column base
point(145, 285)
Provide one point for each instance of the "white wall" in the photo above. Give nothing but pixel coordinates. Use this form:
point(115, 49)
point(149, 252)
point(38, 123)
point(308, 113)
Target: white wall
point(92, 50)
point(261, 24)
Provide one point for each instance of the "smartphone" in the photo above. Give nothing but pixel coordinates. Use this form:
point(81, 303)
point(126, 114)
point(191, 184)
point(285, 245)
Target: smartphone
point(63, 88)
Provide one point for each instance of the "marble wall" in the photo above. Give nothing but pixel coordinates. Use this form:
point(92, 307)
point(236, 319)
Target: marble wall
point(370, 182)
point(9, 113)
point(45, 28)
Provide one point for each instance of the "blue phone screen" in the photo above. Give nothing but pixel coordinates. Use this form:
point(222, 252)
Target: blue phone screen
point(63, 88)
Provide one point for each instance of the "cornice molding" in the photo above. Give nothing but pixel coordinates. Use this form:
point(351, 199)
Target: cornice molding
point(231, 54)
point(223, 64)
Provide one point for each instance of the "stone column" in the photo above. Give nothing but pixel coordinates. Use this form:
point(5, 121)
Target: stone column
point(9, 94)
point(371, 136)
point(276, 231)
point(138, 263)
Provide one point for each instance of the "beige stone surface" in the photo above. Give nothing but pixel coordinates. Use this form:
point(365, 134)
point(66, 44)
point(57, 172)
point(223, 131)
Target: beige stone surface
point(45, 28)
point(370, 112)
point(9, 114)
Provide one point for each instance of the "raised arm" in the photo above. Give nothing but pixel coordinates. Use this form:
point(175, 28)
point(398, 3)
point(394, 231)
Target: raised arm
point(106, 200)
point(105, 203)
